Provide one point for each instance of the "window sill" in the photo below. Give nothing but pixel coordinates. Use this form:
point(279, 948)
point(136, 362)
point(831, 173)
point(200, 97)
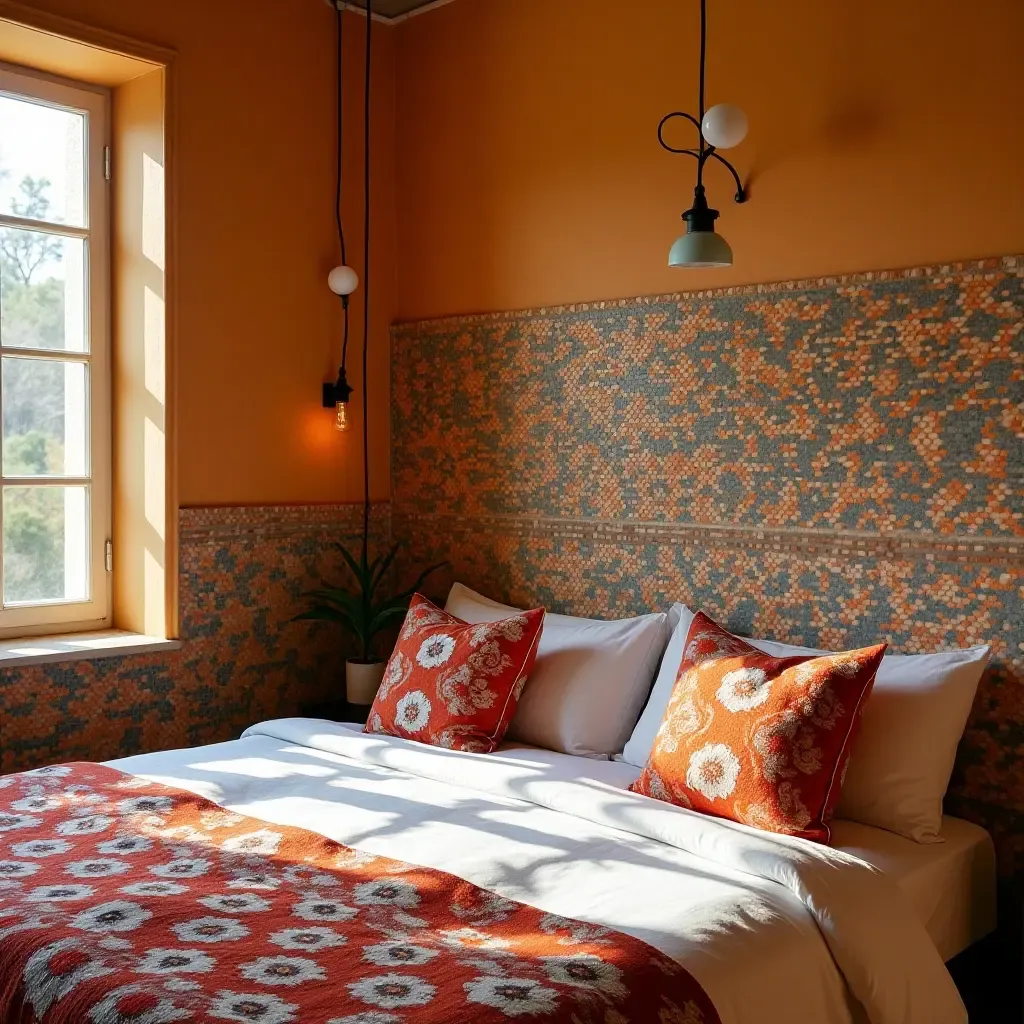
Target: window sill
point(51, 650)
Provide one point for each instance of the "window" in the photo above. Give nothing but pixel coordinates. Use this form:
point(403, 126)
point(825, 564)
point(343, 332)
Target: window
point(55, 458)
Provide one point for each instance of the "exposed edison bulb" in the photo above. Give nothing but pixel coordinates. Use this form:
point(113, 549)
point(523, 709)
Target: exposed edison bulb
point(341, 420)
point(724, 126)
point(343, 280)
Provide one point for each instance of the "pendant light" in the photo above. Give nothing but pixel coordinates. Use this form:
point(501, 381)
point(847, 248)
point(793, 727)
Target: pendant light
point(721, 127)
point(343, 280)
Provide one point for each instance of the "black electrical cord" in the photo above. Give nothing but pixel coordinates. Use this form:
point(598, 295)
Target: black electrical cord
point(340, 163)
point(366, 286)
point(703, 63)
point(704, 148)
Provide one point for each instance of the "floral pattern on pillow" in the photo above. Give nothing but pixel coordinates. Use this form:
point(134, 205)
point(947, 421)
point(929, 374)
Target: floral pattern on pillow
point(452, 684)
point(760, 740)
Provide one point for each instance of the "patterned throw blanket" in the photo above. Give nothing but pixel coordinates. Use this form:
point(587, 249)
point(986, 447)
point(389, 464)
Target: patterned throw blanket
point(126, 902)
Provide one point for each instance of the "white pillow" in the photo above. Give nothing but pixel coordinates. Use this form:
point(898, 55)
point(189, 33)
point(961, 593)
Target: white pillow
point(590, 679)
point(903, 757)
point(638, 748)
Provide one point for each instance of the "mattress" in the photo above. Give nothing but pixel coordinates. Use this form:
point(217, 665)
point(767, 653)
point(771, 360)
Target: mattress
point(951, 885)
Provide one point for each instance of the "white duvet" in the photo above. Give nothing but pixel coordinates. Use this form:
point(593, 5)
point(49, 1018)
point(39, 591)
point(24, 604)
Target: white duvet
point(774, 929)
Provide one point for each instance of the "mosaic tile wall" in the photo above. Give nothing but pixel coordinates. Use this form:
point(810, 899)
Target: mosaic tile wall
point(243, 571)
point(822, 462)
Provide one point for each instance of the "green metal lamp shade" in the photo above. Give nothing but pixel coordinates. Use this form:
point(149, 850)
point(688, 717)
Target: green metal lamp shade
point(700, 249)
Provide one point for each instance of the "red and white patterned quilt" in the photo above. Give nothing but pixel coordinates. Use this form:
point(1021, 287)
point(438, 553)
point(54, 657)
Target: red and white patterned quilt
point(123, 901)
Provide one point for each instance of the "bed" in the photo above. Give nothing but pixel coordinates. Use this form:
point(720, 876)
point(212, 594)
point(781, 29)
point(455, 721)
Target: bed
point(772, 928)
point(951, 885)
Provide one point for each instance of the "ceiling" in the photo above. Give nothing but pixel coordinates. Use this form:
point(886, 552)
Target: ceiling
point(399, 9)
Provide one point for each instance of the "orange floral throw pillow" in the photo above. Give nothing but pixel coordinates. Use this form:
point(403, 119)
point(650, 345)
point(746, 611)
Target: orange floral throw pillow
point(756, 739)
point(452, 684)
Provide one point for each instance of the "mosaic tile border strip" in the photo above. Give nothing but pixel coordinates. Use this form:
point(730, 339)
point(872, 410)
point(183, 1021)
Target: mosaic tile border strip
point(991, 264)
point(213, 524)
point(960, 550)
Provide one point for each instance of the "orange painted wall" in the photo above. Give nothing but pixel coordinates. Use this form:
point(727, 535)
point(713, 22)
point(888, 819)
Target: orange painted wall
point(258, 328)
point(885, 133)
point(516, 165)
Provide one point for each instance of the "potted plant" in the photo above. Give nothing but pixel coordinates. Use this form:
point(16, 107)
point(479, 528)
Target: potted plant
point(365, 614)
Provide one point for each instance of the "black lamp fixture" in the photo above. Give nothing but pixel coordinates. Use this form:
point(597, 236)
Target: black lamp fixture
point(721, 127)
point(343, 280)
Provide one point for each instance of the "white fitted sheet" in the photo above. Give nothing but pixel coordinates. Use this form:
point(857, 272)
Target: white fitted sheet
point(774, 928)
point(951, 885)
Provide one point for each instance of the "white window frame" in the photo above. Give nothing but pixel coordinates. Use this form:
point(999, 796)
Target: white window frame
point(94, 102)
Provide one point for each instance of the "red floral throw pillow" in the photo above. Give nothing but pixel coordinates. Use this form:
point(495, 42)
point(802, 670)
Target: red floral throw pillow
point(452, 684)
point(756, 739)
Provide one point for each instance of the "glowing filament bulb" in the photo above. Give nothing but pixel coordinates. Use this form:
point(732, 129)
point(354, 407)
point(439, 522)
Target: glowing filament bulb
point(341, 421)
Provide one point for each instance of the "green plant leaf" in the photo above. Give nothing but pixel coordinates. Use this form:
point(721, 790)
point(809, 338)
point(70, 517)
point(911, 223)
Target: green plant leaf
point(324, 613)
point(342, 599)
point(386, 616)
point(372, 568)
point(398, 601)
point(408, 594)
point(325, 593)
point(385, 565)
point(356, 567)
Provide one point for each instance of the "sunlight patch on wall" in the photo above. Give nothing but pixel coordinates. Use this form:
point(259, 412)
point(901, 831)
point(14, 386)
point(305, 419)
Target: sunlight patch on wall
point(155, 345)
point(156, 508)
point(153, 211)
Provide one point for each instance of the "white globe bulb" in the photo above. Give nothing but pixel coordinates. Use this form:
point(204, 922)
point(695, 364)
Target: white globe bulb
point(724, 126)
point(343, 280)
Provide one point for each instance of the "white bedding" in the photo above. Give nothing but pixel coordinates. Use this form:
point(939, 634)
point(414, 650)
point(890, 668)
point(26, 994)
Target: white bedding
point(951, 884)
point(774, 929)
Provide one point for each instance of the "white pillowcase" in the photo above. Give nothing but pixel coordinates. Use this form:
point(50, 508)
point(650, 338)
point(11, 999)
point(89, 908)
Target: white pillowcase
point(903, 757)
point(638, 749)
point(590, 679)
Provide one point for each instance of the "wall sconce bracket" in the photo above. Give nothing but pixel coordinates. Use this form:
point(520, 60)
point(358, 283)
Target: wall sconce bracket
point(701, 156)
point(338, 391)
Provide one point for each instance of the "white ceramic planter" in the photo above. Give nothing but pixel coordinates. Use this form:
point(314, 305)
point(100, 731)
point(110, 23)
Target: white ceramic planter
point(362, 680)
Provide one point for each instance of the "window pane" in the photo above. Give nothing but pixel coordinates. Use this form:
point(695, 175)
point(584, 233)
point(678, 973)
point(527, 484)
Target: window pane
point(42, 291)
point(45, 406)
point(42, 163)
point(46, 544)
